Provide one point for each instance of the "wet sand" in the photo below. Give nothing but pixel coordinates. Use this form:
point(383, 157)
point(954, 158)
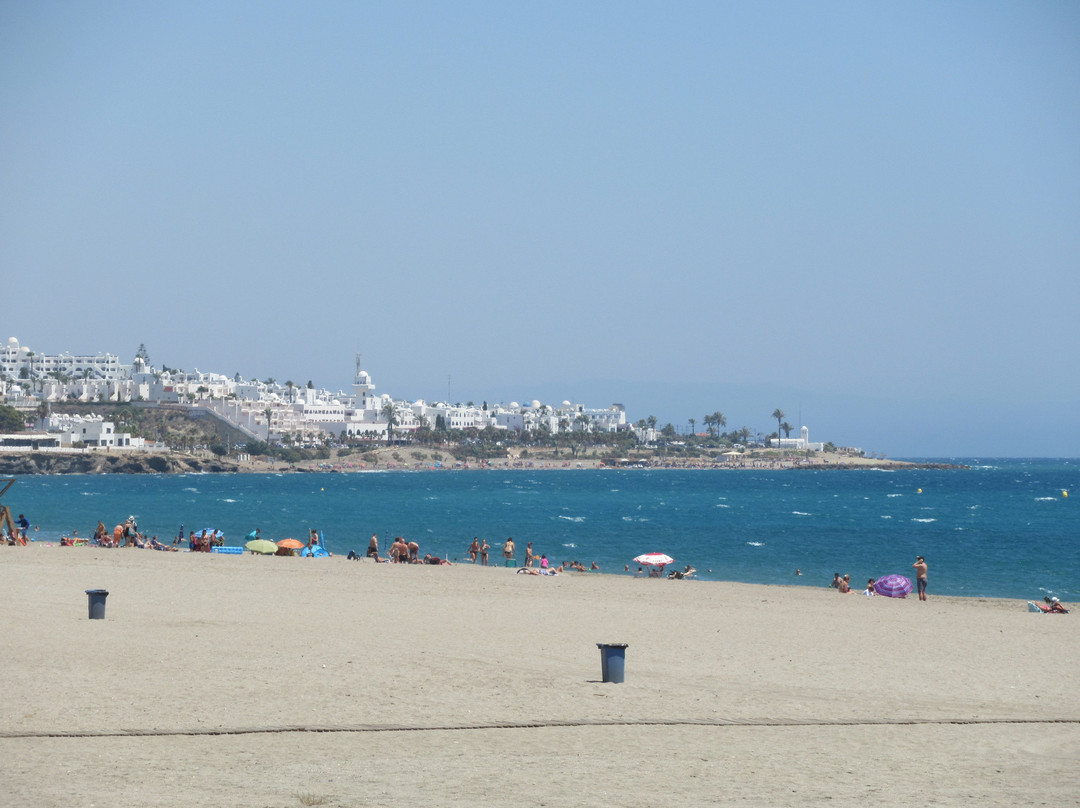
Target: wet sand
point(262, 681)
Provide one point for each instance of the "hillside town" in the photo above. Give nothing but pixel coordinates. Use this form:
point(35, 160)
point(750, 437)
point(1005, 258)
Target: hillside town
point(46, 388)
point(266, 410)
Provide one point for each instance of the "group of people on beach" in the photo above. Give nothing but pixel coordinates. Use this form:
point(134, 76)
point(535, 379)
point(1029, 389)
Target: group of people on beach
point(404, 551)
point(842, 583)
point(399, 552)
point(127, 534)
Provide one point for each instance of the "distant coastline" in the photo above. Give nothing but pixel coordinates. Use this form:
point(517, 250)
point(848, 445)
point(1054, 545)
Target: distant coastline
point(22, 463)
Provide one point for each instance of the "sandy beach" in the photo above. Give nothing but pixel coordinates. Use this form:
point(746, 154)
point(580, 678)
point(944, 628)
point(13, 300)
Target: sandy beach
point(262, 681)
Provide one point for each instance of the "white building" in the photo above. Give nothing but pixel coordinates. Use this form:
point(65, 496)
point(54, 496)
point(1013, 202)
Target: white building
point(15, 359)
point(799, 444)
point(91, 430)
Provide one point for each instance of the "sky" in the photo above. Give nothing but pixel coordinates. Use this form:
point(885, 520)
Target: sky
point(866, 214)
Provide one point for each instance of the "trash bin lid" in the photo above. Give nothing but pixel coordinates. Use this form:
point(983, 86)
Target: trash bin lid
point(97, 591)
point(612, 645)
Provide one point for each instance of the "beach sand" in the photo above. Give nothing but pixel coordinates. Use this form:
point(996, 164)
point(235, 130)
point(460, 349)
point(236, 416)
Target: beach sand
point(219, 680)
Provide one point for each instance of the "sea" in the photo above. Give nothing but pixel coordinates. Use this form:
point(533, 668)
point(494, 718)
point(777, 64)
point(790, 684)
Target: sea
point(1002, 528)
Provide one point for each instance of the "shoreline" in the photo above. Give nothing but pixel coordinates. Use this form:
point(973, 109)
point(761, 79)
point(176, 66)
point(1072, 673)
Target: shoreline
point(1012, 603)
point(253, 683)
point(139, 461)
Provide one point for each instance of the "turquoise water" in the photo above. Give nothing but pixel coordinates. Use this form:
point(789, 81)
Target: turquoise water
point(1001, 529)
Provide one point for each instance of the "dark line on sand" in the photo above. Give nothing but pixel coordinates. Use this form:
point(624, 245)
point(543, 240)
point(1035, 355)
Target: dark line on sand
point(712, 722)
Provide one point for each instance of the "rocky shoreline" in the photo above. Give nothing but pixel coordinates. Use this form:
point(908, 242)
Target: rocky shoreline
point(12, 464)
point(136, 462)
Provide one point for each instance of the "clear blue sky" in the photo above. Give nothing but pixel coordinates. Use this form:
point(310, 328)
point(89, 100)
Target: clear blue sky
point(866, 214)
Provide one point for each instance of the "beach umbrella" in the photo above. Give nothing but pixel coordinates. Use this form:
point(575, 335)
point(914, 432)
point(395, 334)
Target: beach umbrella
point(264, 546)
point(893, 586)
point(657, 560)
point(292, 544)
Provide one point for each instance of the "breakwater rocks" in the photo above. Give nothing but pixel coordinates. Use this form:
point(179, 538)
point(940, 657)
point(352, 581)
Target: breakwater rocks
point(887, 465)
point(13, 464)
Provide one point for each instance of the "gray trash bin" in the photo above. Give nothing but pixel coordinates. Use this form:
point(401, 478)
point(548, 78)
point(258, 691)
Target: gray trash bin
point(612, 661)
point(96, 601)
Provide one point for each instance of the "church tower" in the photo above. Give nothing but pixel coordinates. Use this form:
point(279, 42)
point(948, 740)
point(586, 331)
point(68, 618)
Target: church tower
point(363, 387)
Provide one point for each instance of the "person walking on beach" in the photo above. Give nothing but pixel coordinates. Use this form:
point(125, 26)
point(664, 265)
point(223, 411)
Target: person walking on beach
point(373, 547)
point(509, 549)
point(528, 555)
point(920, 576)
point(484, 547)
point(474, 549)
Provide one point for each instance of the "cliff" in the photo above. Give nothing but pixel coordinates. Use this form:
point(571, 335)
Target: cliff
point(20, 463)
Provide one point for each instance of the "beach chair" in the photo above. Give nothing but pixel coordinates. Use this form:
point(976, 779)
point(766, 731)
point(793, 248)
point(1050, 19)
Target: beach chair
point(1037, 607)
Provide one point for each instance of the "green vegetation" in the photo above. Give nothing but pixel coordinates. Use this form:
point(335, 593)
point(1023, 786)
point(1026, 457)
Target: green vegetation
point(11, 420)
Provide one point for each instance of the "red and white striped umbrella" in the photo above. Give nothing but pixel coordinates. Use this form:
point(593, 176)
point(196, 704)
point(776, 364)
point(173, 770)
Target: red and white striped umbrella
point(654, 559)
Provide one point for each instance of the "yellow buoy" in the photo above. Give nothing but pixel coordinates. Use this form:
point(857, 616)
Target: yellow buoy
point(919, 491)
point(1065, 494)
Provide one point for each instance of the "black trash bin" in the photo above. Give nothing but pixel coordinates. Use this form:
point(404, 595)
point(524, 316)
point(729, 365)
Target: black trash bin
point(96, 601)
point(612, 661)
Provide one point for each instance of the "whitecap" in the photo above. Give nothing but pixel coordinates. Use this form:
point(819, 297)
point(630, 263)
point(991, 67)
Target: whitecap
point(1046, 499)
point(570, 544)
point(924, 520)
point(228, 500)
point(756, 543)
point(192, 490)
point(722, 505)
point(573, 518)
point(894, 495)
point(800, 513)
point(886, 517)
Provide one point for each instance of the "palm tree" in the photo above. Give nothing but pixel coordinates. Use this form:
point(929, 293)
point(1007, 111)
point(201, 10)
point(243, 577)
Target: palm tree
point(289, 384)
point(778, 414)
point(693, 424)
point(719, 419)
point(389, 412)
point(268, 412)
point(714, 422)
point(787, 429)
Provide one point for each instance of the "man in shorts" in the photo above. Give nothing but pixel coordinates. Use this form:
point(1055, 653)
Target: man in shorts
point(920, 576)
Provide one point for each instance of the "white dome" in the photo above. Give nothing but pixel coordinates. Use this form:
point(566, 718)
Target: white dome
point(567, 404)
point(335, 403)
point(12, 342)
point(535, 404)
point(514, 405)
